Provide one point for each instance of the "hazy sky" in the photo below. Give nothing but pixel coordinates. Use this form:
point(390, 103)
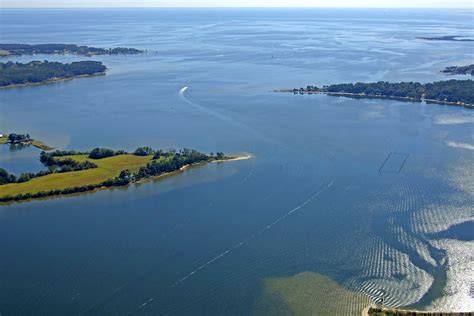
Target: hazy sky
point(237, 3)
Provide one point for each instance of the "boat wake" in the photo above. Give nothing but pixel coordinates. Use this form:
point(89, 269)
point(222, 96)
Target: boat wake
point(182, 91)
point(256, 234)
point(229, 119)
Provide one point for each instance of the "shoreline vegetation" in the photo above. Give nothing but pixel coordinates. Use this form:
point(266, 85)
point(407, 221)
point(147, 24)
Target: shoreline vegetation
point(44, 72)
point(378, 311)
point(72, 172)
point(459, 70)
point(452, 38)
point(23, 140)
point(7, 50)
point(451, 92)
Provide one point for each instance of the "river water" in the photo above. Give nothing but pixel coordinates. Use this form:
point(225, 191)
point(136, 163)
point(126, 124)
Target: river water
point(376, 195)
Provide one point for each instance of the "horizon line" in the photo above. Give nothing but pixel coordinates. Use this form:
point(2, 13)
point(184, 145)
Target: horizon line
point(230, 7)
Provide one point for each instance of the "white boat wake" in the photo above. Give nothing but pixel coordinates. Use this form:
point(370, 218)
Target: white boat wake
point(258, 233)
point(229, 119)
point(182, 91)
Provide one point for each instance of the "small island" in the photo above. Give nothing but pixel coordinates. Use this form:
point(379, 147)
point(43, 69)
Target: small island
point(459, 70)
point(452, 38)
point(42, 72)
point(22, 140)
point(50, 49)
point(451, 92)
point(72, 171)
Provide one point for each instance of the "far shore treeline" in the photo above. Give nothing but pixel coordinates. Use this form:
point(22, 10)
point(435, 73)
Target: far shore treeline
point(459, 70)
point(455, 92)
point(63, 162)
point(35, 72)
point(49, 49)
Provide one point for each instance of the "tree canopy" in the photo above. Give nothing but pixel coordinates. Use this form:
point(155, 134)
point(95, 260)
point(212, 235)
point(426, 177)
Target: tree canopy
point(455, 91)
point(26, 49)
point(43, 71)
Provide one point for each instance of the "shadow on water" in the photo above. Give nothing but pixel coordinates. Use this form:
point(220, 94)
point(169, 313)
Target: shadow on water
point(463, 231)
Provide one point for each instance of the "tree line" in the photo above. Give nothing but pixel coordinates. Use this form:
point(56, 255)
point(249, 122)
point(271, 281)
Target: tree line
point(459, 70)
point(26, 49)
point(455, 91)
point(19, 138)
point(14, 73)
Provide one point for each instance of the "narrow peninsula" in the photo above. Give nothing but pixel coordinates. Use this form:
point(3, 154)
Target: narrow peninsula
point(450, 92)
point(459, 70)
point(54, 49)
point(21, 140)
point(72, 171)
point(42, 72)
point(452, 38)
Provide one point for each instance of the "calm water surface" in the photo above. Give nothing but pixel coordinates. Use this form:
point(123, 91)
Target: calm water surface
point(316, 196)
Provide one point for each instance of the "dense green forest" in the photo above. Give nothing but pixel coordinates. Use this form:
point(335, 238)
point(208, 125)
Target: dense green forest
point(43, 71)
point(18, 138)
point(452, 91)
point(172, 161)
point(459, 70)
point(100, 153)
point(5, 177)
point(26, 49)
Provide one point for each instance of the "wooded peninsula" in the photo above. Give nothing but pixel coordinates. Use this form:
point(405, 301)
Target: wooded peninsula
point(459, 70)
point(72, 171)
point(49, 49)
point(451, 92)
point(39, 72)
point(452, 38)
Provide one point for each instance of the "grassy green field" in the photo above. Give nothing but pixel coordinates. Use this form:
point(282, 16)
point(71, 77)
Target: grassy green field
point(107, 168)
point(4, 139)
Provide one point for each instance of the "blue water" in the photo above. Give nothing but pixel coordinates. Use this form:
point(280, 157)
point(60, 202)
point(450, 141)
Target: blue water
point(312, 198)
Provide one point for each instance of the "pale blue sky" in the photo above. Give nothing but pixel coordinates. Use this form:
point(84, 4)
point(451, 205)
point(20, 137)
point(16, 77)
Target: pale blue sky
point(238, 3)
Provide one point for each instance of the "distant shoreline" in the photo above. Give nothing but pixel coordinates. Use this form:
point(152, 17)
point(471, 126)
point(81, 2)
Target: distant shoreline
point(448, 92)
point(51, 81)
point(373, 96)
point(15, 49)
point(451, 38)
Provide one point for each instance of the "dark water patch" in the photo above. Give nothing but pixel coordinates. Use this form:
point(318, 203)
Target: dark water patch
point(463, 231)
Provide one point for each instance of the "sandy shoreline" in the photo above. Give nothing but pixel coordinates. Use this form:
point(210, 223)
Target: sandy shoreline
point(247, 156)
